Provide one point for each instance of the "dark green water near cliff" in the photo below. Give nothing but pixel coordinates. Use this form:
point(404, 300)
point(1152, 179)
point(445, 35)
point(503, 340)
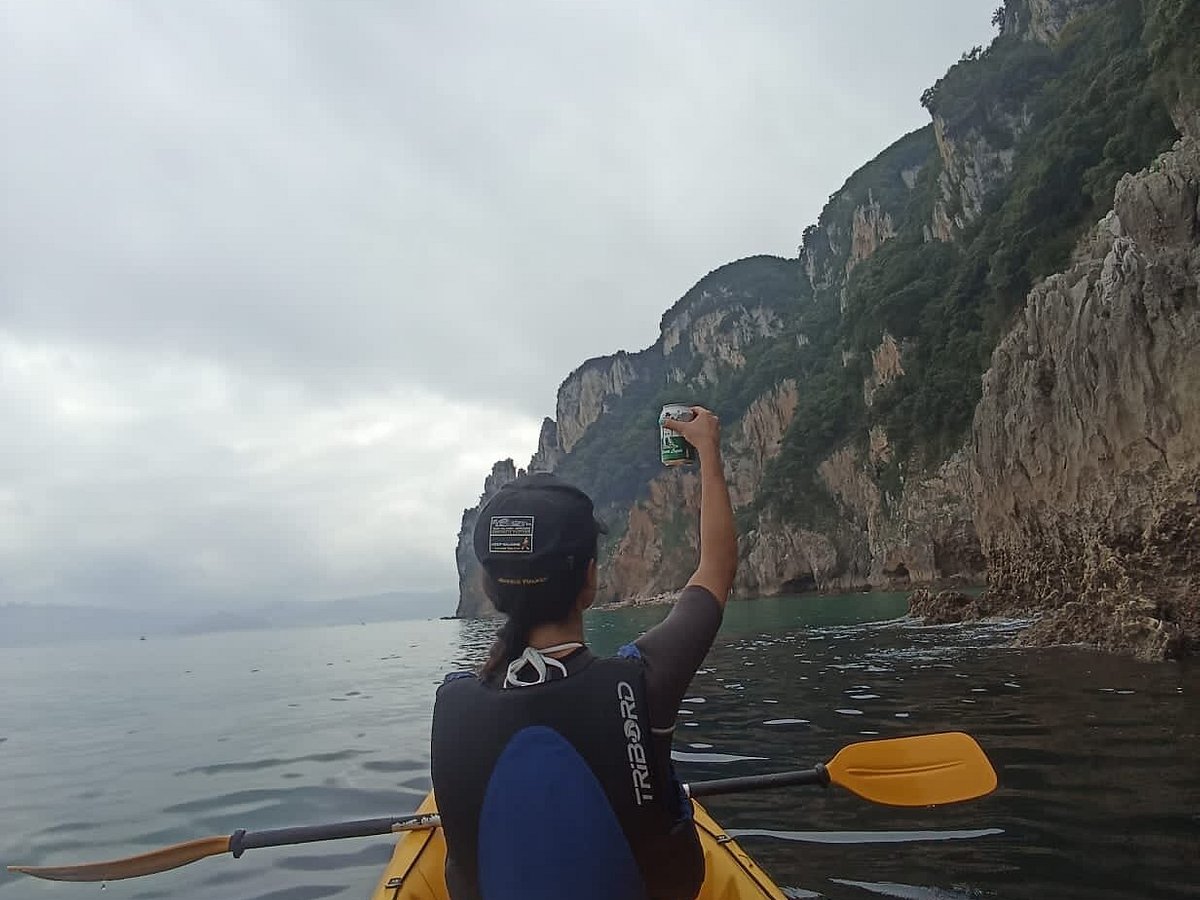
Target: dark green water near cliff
point(112, 748)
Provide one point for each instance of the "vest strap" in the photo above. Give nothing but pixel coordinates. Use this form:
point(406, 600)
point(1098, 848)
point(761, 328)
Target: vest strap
point(540, 661)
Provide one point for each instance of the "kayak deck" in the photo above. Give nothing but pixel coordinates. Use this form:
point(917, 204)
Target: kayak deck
point(416, 870)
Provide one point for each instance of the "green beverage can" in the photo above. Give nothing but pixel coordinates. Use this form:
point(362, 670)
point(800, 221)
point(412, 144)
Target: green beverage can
point(673, 449)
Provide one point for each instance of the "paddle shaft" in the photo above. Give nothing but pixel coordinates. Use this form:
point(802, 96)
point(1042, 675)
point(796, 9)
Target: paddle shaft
point(241, 841)
point(305, 834)
point(815, 775)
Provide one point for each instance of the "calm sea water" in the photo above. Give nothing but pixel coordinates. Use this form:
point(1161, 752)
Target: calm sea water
point(114, 748)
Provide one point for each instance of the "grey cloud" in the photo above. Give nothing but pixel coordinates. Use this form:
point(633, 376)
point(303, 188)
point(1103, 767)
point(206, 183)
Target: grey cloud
point(143, 482)
point(230, 228)
point(364, 192)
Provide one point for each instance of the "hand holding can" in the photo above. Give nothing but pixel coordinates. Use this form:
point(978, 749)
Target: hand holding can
point(684, 430)
point(674, 449)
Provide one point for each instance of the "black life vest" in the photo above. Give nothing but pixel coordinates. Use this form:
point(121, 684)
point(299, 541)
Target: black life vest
point(559, 790)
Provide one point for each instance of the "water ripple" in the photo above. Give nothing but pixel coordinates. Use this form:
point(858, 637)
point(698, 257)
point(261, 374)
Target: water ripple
point(255, 765)
point(684, 756)
point(68, 828)
point(1096, 796)
point(864, 837)
point(396, 765)
point(907, 891)
point(299, 892)
point(375, 854)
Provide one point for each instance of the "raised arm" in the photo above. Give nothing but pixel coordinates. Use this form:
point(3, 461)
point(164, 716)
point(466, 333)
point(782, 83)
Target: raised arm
point(718, 541)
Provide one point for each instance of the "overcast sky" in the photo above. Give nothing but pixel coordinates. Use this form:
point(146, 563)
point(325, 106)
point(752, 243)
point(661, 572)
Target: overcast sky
point(280, 281)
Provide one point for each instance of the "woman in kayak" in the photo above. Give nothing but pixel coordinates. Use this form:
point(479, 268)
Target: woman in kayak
point(551, 766)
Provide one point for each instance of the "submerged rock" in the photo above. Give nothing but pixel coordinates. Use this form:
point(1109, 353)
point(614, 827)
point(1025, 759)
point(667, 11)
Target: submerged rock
point(1135, 627)
point(943, 607)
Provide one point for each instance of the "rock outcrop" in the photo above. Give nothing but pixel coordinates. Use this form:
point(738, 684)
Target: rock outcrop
point(717, 340)
point(1087, 438)
point(864, 213)
point(944, 607)
point(886, 366)
point(1043, 20)
point(549, 451)
point(584, 393)
point(972, 165)
point(472, 601)
point(870, 227)
point(930, 536)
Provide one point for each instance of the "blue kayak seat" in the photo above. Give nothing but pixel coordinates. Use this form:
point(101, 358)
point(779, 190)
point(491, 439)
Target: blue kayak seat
point(547, 831)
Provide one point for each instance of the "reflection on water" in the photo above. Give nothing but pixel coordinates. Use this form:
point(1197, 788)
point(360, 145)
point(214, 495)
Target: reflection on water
point(111, 749)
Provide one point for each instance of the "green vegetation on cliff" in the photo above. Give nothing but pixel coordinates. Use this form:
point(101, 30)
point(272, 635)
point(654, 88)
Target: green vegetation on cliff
point(1075, 117)
point(1172, 35)
point(934, 243)
point(1063, 123)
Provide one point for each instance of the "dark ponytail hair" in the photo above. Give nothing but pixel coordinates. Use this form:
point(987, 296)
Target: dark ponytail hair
point(511, 641)
point(528, 606)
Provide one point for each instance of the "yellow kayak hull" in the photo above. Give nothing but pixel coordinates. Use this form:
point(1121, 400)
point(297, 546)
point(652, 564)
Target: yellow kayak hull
point(418, 863)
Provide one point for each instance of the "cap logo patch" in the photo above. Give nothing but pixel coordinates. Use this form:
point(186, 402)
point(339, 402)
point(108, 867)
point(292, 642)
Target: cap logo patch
point(510, 534)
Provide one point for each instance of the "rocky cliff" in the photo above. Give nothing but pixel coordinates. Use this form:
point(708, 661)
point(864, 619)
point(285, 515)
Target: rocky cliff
point(472, 601)
point(1087, 438)
point(848, 378)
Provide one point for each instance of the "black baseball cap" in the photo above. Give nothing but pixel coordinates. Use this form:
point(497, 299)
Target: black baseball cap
point(535, 529)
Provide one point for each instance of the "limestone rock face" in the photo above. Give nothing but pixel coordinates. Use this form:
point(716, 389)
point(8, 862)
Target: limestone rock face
point(582, 395)
point(717, 340)
point(880, 448)
point(815, 256)
point(1043, 20)
point(548, 452)
point(864, 213)
point(472, 601)
point(847, 479)
point(978, 152)
point(1087, 438)
point(921, 536)
point(886, 367)
point(869, 228)
point(755, 440)
point(971, 168)
point(1132, 627)
point(778, 558)
point(660, 546)
point(931, 535)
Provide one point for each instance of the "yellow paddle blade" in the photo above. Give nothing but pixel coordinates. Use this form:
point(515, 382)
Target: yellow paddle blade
point(147, 864)
point(923, 770)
